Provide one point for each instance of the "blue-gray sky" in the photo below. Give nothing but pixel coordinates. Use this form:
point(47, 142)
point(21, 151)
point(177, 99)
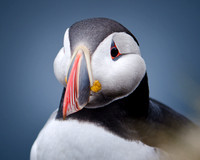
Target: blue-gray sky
point(31, 34)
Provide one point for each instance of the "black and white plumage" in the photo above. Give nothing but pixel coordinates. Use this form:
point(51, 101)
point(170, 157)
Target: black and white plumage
point(119, 121)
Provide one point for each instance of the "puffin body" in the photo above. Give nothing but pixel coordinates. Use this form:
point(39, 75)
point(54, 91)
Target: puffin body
point(105, 111)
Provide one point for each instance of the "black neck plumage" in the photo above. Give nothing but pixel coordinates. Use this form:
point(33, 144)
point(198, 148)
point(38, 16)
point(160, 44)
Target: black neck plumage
point(135, 105)
point(119, 116)
point(135, 117)
point(116, 115)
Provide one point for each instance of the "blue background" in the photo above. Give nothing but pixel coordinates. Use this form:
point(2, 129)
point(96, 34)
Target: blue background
point(31, 34)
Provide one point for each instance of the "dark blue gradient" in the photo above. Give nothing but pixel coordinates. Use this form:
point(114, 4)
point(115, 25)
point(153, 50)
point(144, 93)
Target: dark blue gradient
point(31, 34)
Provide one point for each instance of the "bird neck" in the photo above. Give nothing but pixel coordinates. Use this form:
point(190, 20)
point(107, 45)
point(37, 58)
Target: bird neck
point(137, 103)
point(134, 105)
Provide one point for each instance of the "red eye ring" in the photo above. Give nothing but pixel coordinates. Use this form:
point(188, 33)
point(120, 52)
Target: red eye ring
point(114, 52)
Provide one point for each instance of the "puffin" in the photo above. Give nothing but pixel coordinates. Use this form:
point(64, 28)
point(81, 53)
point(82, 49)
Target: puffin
point(105, 112)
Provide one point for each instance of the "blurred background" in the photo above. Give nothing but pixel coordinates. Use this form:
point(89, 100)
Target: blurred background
point(31, 34)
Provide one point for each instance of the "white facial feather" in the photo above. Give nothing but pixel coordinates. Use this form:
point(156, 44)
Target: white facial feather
point(125, 43)
point(121, 77)
point(62, 60)
point(118, 78)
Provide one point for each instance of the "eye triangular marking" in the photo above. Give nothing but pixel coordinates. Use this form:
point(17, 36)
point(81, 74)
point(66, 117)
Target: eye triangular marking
point(115, 54)
point(113, 44)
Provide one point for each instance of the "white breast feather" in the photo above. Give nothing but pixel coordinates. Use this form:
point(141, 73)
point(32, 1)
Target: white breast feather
point(74, 140)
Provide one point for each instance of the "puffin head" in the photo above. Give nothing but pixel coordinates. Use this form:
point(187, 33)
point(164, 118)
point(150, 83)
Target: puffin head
point(99, 62)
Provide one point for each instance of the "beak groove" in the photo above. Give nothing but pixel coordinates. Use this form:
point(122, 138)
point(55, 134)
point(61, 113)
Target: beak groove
point(79, 80)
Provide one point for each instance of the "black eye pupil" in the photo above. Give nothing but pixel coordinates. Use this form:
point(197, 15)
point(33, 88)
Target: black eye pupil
point(114, 52)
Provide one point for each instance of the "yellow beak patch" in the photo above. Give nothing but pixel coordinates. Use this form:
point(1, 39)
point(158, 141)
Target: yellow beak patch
point(96, 86)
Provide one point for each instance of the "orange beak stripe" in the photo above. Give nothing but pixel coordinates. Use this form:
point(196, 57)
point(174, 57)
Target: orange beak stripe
point(70, 104)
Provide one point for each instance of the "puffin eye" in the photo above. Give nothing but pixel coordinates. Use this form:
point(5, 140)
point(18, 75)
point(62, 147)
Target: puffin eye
point(114, 51)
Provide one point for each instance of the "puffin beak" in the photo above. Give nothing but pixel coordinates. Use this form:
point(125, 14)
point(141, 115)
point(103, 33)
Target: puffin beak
point(79, 81)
